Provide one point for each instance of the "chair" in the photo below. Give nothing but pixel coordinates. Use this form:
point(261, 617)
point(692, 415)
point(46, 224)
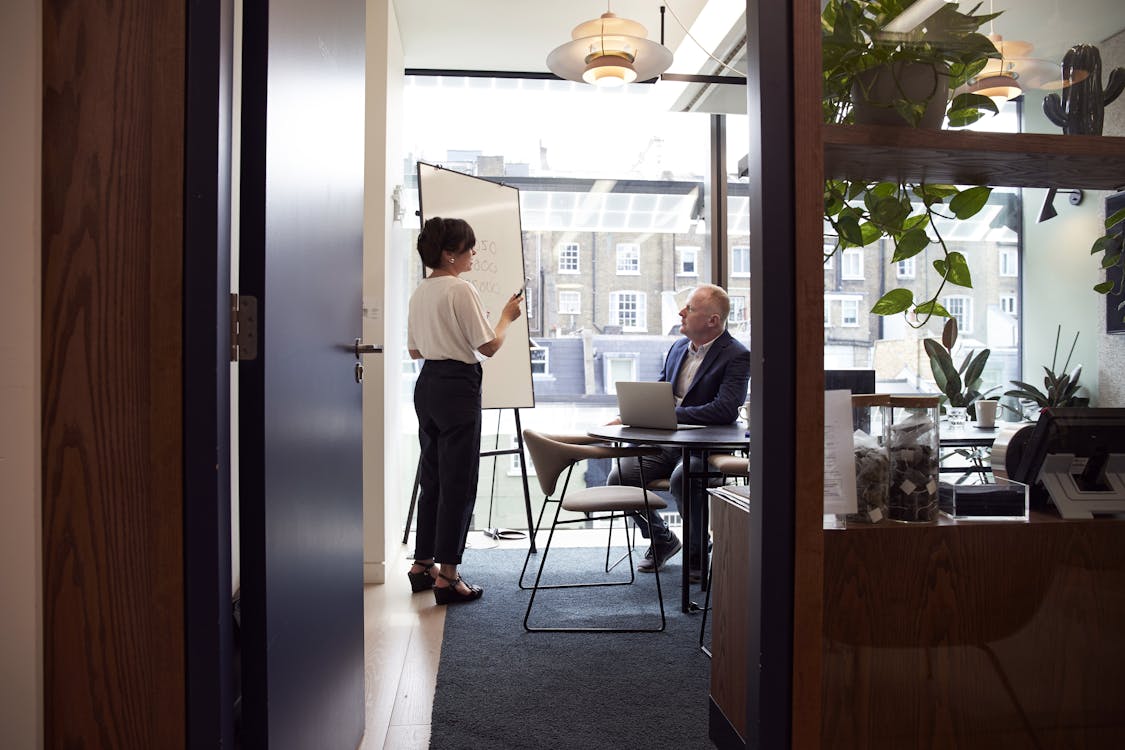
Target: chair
point(553, 456)
point(731, 465)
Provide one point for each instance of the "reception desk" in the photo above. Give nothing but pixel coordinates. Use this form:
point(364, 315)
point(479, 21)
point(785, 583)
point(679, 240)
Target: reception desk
point(974, 634)
point(988, 635)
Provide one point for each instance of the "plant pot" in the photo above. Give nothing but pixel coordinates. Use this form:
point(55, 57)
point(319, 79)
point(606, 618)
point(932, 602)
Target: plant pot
point(876, 91)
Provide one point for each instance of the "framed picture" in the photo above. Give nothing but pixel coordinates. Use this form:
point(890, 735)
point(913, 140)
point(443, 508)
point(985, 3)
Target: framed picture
point(1114, 311)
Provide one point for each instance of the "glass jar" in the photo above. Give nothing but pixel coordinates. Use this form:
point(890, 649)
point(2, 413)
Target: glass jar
point(912, 441)
point(872, 465)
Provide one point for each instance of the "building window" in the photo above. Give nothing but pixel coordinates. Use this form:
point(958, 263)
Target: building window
point(627, 309)
point(851, 264)
point(1009, 262)
point(827, 313)
point(906, 268)
point(568, 258)
point(689, 261)
point(960, 308)
point(619, 367)
point(628, 259)
point(849, 312)
point(570, 302)
point(737, 310)
point(516, 462)
point(1008, 303)
point(829, 253)
point(740, 261)
point(540, 360)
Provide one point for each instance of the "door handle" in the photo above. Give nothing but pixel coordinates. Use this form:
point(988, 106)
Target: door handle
point(361, 348)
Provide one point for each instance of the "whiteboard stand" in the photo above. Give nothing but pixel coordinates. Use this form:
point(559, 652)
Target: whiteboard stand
point(483, 454)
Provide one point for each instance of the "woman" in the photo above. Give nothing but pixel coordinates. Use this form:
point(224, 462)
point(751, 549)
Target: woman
point(447, 328)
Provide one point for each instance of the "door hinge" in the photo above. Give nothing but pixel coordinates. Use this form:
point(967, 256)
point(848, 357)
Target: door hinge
point(243, 327)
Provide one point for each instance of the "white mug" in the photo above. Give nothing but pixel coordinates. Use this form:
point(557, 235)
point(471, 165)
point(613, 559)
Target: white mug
point(744, 411)
point(986, 413)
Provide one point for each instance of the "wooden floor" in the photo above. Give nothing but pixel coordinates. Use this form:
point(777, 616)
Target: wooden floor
point(402, 639)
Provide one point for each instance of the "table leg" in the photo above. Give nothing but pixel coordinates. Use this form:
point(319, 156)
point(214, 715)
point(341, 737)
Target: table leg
point(686, 604)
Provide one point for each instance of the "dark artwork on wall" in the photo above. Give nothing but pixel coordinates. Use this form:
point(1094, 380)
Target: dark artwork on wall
point(1115, 300)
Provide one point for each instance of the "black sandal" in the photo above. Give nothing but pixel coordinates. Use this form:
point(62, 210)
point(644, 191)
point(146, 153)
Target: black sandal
point(422, 580)
point(452, 595)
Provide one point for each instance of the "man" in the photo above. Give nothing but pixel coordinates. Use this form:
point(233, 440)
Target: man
point(709, 371)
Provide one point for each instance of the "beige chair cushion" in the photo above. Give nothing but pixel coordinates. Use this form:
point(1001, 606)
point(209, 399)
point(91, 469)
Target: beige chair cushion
point(614, 497)
point(660, 484)
point(734, 466)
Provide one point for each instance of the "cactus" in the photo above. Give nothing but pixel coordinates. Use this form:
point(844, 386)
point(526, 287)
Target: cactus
point(1080, 109)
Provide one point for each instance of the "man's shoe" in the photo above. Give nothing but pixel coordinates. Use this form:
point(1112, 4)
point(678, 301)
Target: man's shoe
point(658, 554)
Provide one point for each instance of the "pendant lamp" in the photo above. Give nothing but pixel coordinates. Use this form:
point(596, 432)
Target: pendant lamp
point(609, 51)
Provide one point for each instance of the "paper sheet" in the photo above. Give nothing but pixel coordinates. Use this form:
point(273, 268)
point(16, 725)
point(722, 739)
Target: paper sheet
point(839, 454)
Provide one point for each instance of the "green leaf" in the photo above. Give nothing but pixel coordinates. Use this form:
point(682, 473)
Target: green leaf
point(884, 190)
point(1104, 288)
point(919, 221)
point(958, 270)
point(848, 227)
point(890, 212)
point(969, 202)
point(1101, 244)
point(894, 301)
point(869, 233)
point(949, 334)
point(976, 367)
point(1117, 217)
point(932, 307)
point(910, 244)
point(945, 374)
point(1111, 260)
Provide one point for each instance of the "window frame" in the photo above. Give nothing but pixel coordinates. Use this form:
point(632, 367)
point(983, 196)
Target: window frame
point(735, 252)
point(965, 317)
point(566, 251)
point(846, 273)
point(577, 297)
point(630, 252)
point(640, 310)
point(680, 268)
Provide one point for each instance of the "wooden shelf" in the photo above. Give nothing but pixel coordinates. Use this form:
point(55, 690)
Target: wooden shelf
point(971, 158)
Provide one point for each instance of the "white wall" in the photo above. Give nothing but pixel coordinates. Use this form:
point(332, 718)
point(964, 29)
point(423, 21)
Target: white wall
point(21, 626)
point(380, 381)
point(1059, 275)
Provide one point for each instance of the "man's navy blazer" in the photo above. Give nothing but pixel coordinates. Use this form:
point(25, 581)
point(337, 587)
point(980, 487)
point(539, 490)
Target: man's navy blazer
point(720, 383)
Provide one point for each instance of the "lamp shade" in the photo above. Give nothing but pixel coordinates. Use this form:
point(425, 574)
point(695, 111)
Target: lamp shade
point(609, 51)
point(999, 88)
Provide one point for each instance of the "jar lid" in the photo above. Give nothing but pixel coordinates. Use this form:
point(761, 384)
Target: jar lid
point(916, 401)
point(863, 400)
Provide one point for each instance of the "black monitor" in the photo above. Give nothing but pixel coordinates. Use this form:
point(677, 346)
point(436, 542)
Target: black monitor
point(1090, 435)
point(856, 381)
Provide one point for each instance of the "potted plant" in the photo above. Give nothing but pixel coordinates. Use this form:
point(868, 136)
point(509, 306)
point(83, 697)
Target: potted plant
point(869, 67)
point(855, 42)
point(959, 386)
point(1059, 389)
point(1112, 245)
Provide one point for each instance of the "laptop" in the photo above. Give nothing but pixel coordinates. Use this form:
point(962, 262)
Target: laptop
point(649, 405)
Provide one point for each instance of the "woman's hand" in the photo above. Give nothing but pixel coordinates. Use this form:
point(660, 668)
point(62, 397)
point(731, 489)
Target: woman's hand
point(512, 309)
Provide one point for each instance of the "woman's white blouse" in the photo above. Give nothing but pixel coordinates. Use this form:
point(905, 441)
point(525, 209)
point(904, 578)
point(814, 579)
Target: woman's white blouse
point(447, 321)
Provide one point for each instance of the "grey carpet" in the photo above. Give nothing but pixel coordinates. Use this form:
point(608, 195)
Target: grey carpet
point(499, 686)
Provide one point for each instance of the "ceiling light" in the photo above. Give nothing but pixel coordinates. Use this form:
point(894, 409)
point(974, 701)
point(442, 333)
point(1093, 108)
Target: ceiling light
point(1000, 88)
point(609, 51)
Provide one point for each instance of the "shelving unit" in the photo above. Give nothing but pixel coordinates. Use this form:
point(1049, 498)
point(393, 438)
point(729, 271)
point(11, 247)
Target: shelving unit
point(972, 158)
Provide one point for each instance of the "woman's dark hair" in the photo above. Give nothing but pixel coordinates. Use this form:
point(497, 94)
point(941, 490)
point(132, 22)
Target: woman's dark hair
point(440, 235)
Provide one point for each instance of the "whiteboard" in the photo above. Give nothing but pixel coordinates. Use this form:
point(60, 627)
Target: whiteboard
point(493, 211)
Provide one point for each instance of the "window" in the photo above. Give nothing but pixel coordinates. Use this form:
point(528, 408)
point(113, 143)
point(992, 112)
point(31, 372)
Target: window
point(570, 302)
point(628, 259)
point(540, 360)
point(851, 263)
point(827, 313)
point(960, 307)
point(689, 259)
point(1008, 304)
point(849, 312)
point(568, 258)
point(740, 261)
point(619, 367)
point(737, 310)
point(906, 268)
point(516, 460)
point(627, 309)
point(1009, 262)
point(829, 253)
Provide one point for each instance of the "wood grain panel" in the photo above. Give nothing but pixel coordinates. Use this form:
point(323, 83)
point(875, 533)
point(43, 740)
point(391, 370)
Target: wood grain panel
point(808, 296)
point(967, 158)
point(112, 269)
point(962, 635)
point(729, 623)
